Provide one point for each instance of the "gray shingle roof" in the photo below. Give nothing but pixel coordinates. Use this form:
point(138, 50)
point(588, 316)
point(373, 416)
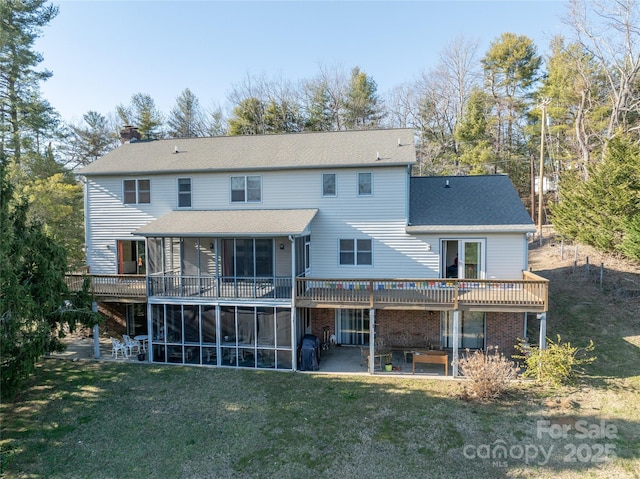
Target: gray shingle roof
point(469, 203)
point(230, 223)
point(259, 152)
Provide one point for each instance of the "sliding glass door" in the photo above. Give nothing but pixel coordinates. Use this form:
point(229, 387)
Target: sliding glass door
point(352, 326)
point(462, 258)
point(471, 329)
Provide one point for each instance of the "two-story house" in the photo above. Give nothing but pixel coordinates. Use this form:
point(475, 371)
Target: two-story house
point(228, 250)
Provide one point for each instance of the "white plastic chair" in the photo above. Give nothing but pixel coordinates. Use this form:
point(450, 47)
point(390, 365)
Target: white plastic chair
point(118, 346)
point(129, 344)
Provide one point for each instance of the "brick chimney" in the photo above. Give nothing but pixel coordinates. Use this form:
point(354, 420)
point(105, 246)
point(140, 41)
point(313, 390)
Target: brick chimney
point(129, 134)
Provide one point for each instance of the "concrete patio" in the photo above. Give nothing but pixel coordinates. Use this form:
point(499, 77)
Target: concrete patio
point(337, 359)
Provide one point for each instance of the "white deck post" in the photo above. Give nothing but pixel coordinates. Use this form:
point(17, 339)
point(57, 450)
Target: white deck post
point(372, 339)
point(96, 333)
point(456, 335)
point(294, 332)
point(543, 330)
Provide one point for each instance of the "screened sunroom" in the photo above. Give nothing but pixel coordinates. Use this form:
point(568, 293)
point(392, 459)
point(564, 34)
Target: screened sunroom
point(220, 285)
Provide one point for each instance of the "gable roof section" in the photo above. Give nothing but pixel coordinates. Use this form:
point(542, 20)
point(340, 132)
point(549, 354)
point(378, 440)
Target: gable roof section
point(259, 152)
point(488, 203)
point(203, 223)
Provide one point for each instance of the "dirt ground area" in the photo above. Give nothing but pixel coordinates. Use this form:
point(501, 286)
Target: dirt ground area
point(581, 270)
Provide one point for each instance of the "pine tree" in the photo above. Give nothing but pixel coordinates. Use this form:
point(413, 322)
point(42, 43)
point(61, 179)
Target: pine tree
point(362, 106)
point(84, 143)
point(248, 118)
point(473, 135)
point(602, 210)
point(143, 114)
point(23, 113)
point(186, 119)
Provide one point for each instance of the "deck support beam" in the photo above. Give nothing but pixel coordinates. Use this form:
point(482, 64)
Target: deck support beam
point(96, 333)
point(543, 330)
point(372, 340)
point(456, 336)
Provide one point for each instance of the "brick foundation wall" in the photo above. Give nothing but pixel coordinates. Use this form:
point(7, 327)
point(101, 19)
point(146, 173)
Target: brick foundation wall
point(409, 328)
point(503, 330)
point(321, 318)
point(396, 327)
point(391, 326)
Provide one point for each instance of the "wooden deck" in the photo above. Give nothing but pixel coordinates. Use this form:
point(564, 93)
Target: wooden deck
point(111, 287)
point(527, 295)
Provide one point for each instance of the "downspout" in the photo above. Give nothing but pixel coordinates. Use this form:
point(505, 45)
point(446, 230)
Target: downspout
point(86, 217)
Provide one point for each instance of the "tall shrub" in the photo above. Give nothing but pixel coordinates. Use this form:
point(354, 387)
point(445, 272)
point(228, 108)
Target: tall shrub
point(600, 211)
point(560, 363)
point(488, 374)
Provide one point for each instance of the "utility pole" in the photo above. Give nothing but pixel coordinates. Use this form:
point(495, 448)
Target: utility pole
point(543, 105)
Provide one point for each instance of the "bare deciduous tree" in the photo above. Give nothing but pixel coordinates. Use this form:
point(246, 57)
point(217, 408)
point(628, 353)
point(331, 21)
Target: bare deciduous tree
point(610, 32)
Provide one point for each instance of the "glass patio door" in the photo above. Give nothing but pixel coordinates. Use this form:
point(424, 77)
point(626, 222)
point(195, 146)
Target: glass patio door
point(463, 259)
point(352, 326)
point(131, 257)
point(471, 330)
point(472, 260)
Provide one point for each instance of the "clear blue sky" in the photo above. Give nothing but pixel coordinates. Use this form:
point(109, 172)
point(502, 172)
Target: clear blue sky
point(103, 52)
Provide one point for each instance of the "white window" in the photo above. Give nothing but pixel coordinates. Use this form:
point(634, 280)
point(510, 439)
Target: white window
point(329, 184)
point(356, 252)
point(365, 184)
point(246, 189)
point(184, 192)
point(136, 192)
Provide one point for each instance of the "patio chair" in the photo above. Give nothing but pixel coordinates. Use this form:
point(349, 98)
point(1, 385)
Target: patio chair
point(118, 346)
point(129, 344)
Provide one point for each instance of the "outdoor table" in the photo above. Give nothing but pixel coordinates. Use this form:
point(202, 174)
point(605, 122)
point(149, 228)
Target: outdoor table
point(143, 338)
point(432, 357)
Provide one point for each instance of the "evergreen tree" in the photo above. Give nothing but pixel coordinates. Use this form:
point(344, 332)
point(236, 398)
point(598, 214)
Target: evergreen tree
point(215, 122)
point(362, 105)
point(473, 135)
point(32, 289)
point(317, 104)
point(282, 117)
point(602, 211)
point(578, 105)
point(84, 143)
point(186, 119)
point(22, 111)
point(511, 68)
point(143, 114)
point(248, 118)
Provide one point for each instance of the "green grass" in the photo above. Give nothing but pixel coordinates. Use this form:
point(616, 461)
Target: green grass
point(107, 420)
point(114, 420)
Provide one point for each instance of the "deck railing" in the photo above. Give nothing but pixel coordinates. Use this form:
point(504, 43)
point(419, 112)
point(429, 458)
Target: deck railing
point(228, 287)
point(528, 294)
point(110, 285)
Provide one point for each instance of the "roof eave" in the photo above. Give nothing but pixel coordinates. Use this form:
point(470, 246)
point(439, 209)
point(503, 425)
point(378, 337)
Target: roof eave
point(228, 170)
point(513, 228)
